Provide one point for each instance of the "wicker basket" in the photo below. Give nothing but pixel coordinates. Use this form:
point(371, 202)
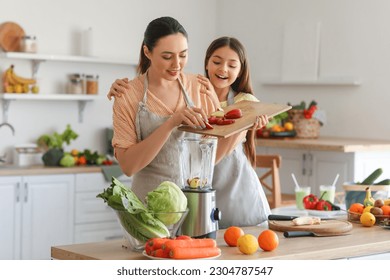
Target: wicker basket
point(305, 128)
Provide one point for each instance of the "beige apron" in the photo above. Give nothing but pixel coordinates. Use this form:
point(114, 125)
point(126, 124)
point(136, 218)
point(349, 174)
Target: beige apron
point(239, 194)
point(166, 165)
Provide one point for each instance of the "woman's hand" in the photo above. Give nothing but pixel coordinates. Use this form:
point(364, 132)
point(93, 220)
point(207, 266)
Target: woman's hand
point(208, 89)
point(191, 116)
point(118, 88)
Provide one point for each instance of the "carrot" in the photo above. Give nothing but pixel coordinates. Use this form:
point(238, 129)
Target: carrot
point(190, 243)
point(183, 237)
point(157, 242)
point(160, 253)
point(180, 253)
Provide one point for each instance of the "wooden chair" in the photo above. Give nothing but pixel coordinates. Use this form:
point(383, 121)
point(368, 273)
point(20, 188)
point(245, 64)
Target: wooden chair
point(272, 164)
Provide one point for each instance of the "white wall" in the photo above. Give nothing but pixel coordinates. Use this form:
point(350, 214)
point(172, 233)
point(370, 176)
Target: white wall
point(118, 27)
point(355, 41)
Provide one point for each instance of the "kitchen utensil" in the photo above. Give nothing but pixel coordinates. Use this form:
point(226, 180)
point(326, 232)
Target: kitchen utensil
point(10, 35)
point(290, 218)
point(325, 228)
point(198, 157)
point(289, 234)
point(250, 110)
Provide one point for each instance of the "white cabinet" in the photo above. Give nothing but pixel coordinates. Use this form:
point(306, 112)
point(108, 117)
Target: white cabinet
point(36, 213)
point(315, 168)
point(94, 220)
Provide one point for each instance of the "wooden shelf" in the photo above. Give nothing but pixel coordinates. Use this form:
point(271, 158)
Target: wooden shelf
point(319, 82)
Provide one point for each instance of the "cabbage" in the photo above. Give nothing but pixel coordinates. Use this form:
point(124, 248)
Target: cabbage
point(167, 197)
point(67, 161)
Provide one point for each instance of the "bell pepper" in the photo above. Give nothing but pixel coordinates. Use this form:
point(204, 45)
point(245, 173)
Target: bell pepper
point(233, 114)
point(310, 201)
point(324, 205)
point(223, 121)
point(208, 126)
point(213, 120)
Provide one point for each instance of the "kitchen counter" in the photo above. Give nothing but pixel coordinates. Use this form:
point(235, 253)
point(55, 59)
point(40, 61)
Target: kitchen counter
point(335, 144)
point(362, 241)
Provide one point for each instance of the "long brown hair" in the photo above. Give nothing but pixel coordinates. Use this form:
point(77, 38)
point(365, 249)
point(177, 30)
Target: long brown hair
point(156, 29)
point(241, 84)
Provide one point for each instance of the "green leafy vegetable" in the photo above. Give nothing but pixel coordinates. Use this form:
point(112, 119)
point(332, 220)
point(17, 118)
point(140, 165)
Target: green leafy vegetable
point(132, 213)
point(57, 140)
point(167, 197)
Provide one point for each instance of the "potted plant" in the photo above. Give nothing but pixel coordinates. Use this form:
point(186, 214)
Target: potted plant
point(53, 145)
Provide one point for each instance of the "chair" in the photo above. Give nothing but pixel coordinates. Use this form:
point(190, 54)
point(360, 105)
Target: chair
point(272, 164)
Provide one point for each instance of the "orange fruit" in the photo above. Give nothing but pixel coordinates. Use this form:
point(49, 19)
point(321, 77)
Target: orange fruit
point(386, 210)
point(232, 234)
point(367, 219)
point(356, 208)
point(268, 240)
point(247, 244)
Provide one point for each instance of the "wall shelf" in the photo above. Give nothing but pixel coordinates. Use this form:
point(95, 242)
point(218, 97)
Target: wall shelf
point(80, 99)
point(319, 82)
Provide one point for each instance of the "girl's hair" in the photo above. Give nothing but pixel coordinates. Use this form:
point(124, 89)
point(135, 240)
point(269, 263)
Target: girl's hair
point(241, 84)
point(156, 29)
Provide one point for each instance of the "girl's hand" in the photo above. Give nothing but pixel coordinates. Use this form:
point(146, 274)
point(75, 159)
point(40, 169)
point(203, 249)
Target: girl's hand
point(260, 122)
point(191, 116)
point(208, 89)
point(118, 88)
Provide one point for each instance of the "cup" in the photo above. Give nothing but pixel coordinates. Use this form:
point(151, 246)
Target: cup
point(300, 193)
point(327, 192)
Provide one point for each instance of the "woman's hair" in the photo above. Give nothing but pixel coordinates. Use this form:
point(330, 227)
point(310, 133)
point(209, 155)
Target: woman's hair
point(241, 84)
point(156, 29)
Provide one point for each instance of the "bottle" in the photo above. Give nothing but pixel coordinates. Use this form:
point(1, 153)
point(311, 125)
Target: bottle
point(76, 84)
point(369, 200)
point(28, 44)
point(92, 84)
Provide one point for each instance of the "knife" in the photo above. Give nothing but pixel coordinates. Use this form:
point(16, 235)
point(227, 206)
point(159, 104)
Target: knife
point(289, 234)
point(290, 218)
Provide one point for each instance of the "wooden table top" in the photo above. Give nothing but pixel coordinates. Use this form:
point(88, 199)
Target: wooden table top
point(361, 242)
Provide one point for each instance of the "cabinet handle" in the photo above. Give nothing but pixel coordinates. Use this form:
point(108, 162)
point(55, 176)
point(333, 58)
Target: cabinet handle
point(17, 191)
point(25, 192)
point(310, 164)
point(304, 164)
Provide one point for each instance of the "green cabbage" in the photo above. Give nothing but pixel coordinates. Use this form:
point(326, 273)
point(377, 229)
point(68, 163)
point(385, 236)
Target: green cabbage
point(167, 197)
point(67, 161)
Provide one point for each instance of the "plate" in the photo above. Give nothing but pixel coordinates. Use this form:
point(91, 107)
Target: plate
point(284, 134)
point(325, 214)
point(10, 35)
point(156, 258)
point(385, 227)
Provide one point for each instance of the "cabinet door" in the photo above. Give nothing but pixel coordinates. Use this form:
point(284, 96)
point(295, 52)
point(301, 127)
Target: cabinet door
point(47, 215)
point(10, 218)
point(326, 165)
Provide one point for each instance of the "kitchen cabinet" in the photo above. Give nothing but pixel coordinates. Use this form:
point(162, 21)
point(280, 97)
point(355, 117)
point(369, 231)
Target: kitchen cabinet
point(36, 212)
point(319, 167)
point(94, 219)
point(36, 60)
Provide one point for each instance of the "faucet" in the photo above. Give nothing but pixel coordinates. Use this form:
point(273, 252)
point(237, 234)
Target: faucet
point(3, 158)
point(9, 125)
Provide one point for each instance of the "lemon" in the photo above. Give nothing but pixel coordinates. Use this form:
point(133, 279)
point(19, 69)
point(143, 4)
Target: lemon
point(247, 244)
point(288, 126)
point(367, 219)
point(367, 209)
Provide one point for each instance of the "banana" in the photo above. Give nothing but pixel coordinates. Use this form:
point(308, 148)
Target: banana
point(7, 77)
point(387, 201)
point(20, 80)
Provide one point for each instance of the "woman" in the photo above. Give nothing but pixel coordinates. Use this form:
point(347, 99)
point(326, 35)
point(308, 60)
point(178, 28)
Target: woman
point(240, 196)
point(153, 105)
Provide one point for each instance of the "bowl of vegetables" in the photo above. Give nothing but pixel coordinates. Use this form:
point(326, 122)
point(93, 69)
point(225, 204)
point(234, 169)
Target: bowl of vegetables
point(161, 215)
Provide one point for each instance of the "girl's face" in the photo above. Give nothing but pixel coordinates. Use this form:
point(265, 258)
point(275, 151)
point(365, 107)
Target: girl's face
point(169, 56)
point(223, 67)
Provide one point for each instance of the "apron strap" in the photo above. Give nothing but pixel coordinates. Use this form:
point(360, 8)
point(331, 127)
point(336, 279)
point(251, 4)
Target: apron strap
point(230, 97)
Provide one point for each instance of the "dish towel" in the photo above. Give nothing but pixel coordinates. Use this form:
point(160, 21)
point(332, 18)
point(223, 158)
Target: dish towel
point(110, 171)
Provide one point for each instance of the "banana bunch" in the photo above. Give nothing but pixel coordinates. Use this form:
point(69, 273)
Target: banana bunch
point(13, 83)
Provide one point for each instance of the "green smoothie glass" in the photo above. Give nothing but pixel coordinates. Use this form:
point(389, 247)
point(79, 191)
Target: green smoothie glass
point(300, 193)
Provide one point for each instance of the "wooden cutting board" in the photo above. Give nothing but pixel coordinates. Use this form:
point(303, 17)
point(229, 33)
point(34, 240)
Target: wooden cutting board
point(249, 110)
point(10, 35)
point(326, 228)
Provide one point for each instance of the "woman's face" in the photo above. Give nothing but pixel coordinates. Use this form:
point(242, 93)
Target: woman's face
point(223, 67)
point(169, 56)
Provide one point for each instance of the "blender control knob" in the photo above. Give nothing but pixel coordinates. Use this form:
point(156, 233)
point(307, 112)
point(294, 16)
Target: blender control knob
point(216, 215)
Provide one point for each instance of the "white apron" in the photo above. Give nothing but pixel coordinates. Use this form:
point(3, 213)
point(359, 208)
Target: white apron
point(239, 194)
point(166, 165)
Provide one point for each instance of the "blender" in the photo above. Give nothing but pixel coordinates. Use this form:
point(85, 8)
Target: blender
point(197, 168)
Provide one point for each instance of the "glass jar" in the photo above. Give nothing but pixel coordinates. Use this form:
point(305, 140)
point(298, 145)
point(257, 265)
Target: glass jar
point(92, 84)
point(28, 44)
point(76, 84)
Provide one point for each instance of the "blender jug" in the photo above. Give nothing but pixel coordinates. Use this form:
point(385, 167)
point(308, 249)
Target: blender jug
point(198, 158)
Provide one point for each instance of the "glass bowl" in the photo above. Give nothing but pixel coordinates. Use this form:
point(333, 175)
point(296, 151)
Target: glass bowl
point(172, 220)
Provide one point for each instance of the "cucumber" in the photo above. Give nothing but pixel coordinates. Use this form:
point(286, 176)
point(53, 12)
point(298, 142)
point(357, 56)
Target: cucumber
point(383, 182)
point(372, 177)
